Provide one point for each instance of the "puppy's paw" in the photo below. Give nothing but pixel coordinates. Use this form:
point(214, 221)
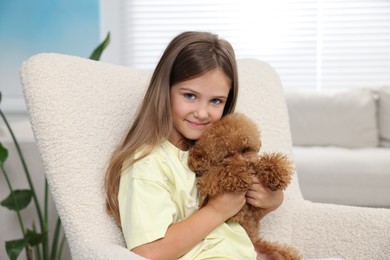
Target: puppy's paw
point(274, 170)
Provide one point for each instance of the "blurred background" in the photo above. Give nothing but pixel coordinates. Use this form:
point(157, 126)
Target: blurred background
point(313, 44)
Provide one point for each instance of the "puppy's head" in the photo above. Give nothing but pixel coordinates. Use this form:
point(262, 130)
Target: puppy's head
point(233, 134)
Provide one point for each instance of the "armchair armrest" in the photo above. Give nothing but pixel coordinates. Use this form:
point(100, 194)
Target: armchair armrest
point(327, 230)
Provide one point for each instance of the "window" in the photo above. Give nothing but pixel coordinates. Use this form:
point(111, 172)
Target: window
point(311, 43)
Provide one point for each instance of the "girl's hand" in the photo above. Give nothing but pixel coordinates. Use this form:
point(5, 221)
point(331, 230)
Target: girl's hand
point(262, 197)
point(228, 204)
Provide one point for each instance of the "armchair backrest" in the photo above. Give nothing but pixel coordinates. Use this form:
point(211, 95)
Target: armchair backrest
point(80, 110)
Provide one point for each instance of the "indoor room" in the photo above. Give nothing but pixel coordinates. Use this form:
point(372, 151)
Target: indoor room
point(313, 75)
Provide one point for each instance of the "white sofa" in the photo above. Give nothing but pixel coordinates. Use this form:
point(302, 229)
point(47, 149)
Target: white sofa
point(342, 144)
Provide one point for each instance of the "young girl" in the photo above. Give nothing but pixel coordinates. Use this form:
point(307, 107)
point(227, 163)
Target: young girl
point(151, 192)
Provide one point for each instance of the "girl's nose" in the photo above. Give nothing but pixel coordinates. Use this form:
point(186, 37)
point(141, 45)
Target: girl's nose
point(201, 112)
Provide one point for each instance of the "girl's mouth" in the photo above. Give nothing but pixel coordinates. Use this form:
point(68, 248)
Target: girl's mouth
point(197, 125)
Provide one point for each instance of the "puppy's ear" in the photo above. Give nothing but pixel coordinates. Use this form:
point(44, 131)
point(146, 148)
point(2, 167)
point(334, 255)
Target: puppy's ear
point(198, 161)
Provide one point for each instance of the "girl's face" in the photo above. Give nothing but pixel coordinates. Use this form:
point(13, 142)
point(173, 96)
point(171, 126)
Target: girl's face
point(196, 104)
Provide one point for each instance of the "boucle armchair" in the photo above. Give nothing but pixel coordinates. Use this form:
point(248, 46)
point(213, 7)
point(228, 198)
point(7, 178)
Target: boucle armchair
point(80, 109)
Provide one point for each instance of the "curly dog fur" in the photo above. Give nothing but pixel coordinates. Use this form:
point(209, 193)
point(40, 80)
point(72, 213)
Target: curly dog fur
point(225, 158)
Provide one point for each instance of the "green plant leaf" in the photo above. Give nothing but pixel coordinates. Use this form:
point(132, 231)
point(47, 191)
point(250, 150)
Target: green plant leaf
point(99, 49)
point(22, 197)
point(35, 238)
point(54, 247)
point(3, 154)
point(14, 247)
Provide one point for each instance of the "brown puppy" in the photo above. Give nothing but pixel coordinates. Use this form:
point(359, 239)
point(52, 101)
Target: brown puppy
point(225, 158)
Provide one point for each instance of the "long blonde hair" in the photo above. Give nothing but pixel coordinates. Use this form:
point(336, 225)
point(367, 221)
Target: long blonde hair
point(189, 55)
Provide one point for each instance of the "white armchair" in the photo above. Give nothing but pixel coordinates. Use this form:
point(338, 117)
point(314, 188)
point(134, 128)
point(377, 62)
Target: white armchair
point(80, 109)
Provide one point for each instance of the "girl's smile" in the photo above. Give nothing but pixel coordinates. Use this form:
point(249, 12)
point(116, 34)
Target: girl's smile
point(197, 103)
point(198, 125)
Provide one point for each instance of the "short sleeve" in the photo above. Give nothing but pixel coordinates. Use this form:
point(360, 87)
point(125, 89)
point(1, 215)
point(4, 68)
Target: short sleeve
point(143, 195)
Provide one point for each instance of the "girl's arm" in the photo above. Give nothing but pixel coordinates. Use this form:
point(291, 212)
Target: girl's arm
point(262, 197)
point(181, 237)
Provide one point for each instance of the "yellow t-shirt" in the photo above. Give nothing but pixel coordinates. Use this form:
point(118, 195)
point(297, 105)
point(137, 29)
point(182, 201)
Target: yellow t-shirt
point(159, 190)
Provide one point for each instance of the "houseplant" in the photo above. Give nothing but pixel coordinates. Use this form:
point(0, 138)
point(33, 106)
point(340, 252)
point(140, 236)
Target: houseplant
point(35, 240)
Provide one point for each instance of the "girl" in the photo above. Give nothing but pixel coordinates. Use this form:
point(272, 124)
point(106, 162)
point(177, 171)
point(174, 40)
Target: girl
point(150, 190)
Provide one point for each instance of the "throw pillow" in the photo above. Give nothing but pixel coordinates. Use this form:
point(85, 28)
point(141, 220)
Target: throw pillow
point(345, 118)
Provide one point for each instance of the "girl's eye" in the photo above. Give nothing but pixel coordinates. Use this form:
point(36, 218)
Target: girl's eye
point(189, 96)
point(216, 101)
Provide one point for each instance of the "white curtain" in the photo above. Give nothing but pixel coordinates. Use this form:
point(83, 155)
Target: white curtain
point(311, 43)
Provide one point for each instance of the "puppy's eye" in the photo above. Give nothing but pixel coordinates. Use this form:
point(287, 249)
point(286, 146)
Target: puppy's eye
point(245, 150)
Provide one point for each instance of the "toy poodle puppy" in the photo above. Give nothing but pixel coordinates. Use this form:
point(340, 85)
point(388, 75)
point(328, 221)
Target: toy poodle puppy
point(225, 159)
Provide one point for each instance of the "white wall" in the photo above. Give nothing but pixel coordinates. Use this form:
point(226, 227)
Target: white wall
point(110, 21)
